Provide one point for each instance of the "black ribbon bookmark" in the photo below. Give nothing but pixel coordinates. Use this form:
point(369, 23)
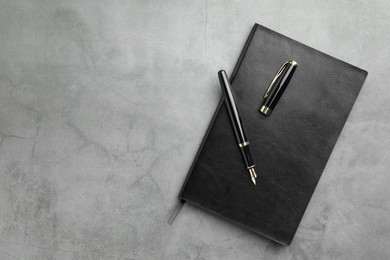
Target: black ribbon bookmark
point(176, 211)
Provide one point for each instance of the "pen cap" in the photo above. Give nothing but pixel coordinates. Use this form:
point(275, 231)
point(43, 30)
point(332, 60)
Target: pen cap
point(277, 87)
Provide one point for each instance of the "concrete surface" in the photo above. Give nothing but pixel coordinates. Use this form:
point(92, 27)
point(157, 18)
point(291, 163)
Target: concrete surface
point(103, 105)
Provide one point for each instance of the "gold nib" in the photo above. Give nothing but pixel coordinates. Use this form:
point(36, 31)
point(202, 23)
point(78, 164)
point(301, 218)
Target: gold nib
point(253, 175)
point(253, 180)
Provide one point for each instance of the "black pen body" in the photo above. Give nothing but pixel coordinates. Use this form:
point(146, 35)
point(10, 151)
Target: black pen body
point(235, 119)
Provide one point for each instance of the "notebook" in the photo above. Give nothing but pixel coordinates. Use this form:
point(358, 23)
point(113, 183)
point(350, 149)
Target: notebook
point(290, 148)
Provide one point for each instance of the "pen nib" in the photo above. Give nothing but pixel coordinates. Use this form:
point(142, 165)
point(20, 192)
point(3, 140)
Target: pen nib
point(253, 175)
point(253, 180)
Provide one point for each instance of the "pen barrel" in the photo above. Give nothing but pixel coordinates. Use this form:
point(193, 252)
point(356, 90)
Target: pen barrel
point(280, 86)
point(232, 108)
point(246, 153)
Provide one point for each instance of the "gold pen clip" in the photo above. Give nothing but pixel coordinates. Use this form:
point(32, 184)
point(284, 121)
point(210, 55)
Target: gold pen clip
point(271, 85)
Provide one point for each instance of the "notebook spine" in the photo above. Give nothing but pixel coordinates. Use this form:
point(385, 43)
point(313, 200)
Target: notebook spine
point(241, 57)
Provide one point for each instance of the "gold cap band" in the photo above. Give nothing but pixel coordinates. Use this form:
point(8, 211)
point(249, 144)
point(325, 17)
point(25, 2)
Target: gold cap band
point(266, 110)
point(243, 144)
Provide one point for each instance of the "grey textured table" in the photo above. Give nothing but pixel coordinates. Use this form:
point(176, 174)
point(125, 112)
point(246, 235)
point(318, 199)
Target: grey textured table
point(103, 105)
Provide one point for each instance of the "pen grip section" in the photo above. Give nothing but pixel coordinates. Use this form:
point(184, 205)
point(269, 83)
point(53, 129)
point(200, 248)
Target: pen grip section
point(246, 154)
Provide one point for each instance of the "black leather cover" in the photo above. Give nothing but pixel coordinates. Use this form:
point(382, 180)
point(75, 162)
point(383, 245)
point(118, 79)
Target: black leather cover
point(290, 148)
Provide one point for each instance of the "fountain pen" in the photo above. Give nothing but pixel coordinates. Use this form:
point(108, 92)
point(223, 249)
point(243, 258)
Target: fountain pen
point(236, 122)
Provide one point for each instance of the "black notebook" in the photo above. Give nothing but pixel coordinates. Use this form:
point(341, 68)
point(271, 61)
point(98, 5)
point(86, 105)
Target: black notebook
point(290, 148)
